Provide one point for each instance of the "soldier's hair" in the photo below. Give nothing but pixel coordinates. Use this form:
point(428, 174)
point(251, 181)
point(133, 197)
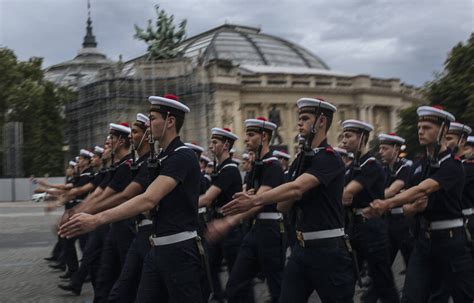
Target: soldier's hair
point(179, 120)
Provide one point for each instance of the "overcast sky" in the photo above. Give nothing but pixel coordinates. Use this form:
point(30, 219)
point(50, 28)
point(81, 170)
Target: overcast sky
point(406, 39)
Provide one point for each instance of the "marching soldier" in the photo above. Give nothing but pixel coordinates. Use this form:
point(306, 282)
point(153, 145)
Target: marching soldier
point(69, 249)
point(283, 158)
point(172, 269)
point(93, 247)
point(263, 247)
point(456, 140)
point(440, 249)
point(397, 174)
point(320, 260)
point(366, 182)
point(225, 182)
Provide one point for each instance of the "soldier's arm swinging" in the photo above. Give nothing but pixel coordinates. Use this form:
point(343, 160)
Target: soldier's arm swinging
point(82, 223)
point(209, 196)
point(129, 192)
point(290, 191)
point(394, 188)
point(424, 189)
point(351, 189)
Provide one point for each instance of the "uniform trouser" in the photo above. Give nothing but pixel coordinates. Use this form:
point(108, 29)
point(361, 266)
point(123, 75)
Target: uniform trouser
point(205, 285)
point(57, 250)
point(126, 287)
point(400, 237)
point(227, 248)
point(172, 273)
point(70, 253)
point(262, 250)
point(90, 258)
point(442, 294)
point(114, 252)
point(290, 229)
point(325, 267)
point(370, 241)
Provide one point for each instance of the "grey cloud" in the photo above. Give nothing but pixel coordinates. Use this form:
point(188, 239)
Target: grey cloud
point(394, 39)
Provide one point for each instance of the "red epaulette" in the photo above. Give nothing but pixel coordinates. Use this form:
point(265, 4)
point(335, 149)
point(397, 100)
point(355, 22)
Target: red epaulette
point(457, 158)
point(128, 163)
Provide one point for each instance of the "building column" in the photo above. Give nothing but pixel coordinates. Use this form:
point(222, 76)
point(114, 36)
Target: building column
point(370, 115)
point(393, 118)
point(362, 112)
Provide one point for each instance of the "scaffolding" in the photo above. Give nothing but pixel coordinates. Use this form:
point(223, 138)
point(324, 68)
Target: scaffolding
point(122, 90)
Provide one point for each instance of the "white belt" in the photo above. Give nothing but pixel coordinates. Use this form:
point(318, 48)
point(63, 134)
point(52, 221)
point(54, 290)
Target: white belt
point(446, 224)
point(145, 222)
point(175, 238)
point(397, 211)
point(270, 216)
point(323, 234)
point(359, 211)
point(467, 212)
point(202, 210)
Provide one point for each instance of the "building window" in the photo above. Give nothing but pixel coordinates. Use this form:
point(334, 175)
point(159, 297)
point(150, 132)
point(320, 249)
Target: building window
point(250, 114)
point(342, 115)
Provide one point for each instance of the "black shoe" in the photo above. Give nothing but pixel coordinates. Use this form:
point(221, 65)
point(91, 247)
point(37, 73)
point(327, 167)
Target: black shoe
point(67, 275)
point(69, 287)
point(59, 266)
point(51, 259)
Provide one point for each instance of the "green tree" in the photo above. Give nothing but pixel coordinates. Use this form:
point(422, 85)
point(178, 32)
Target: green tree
point(26, 97)
point(164, 40)
point(453, 89)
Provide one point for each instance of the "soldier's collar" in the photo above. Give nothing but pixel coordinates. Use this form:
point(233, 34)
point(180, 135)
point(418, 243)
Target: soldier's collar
point(175, 143)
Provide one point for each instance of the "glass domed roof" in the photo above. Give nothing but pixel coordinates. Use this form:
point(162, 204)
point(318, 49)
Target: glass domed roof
point(247, 45)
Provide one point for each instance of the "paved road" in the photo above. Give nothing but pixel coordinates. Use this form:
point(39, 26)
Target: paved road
point(27, 236)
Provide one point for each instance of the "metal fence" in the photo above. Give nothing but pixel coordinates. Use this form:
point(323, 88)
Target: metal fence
point(21, 189)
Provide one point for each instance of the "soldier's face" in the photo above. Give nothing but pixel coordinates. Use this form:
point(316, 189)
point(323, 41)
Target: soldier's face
point(387, 152)
point(136, 135)
point(305, 123)
point(350, 141)
point(217, 146)
point(252, 140)
point(83, 162)
point(452, 140)
point(95, 162)
point(157, 124)
point(427, 132)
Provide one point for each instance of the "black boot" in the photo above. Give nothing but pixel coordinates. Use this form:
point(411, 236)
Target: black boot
point(69, 287)
point(67, 275)
point(50, 259)
point(60, 266)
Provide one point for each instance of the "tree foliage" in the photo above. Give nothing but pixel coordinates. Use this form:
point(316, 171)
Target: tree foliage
point(164, 40)
point(453, 89)
point(26, 97)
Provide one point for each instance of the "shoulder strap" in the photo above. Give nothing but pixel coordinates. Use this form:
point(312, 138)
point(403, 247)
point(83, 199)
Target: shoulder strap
point(367, 161)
